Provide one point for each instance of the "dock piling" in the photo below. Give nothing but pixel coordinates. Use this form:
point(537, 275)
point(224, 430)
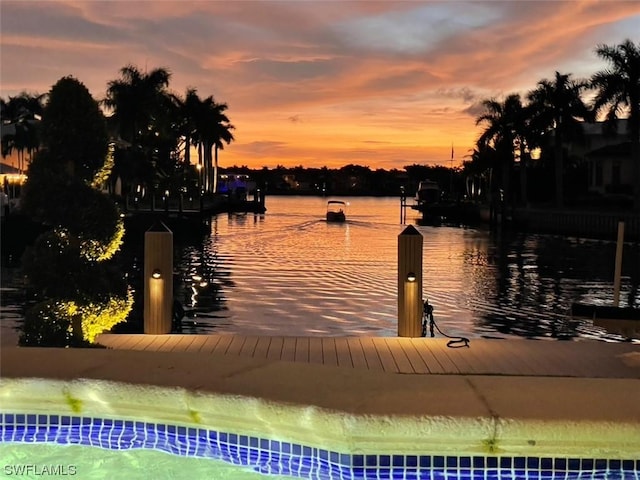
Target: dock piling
point(618, 266)
point(410, 243)
point(158, 279)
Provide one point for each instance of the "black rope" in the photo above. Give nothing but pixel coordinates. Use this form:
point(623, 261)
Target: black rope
point(455, 342)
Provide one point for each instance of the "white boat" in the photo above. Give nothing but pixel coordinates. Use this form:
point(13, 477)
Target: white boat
point(336, 211)
point(428, 192)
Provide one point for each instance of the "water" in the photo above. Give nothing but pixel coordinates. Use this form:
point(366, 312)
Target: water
point(94, 463)
point(289, 272)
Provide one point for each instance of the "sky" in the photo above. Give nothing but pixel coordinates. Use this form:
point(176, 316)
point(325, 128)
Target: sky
point(382, 84)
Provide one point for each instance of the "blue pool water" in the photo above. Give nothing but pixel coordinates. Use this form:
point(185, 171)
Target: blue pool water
point(252, 455)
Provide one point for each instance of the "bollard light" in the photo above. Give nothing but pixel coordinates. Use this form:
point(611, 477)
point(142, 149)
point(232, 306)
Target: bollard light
point(156, 273)
point(411, 277)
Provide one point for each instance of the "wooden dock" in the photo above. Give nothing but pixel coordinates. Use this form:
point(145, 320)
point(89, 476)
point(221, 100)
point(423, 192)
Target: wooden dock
point(584, 359)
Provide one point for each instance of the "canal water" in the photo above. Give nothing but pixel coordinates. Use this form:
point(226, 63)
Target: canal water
point(289, 272)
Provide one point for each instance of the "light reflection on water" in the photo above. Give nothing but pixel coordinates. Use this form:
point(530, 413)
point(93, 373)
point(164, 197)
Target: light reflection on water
point(288, 272)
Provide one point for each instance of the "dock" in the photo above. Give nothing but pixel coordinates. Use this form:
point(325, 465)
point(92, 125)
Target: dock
point(414, 356)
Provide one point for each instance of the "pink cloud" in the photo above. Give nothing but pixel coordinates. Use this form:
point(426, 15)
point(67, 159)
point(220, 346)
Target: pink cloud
point(406, 74)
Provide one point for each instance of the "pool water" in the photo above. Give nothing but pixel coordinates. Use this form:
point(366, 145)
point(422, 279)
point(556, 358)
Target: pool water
point(94, 463)
point(94, 448)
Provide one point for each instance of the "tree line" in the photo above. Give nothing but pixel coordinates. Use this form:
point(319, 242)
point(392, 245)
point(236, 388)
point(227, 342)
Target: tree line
point(552, 115)
point(153, 131)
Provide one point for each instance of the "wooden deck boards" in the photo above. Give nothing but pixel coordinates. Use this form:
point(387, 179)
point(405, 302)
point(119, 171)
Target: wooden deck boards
point(408, 355)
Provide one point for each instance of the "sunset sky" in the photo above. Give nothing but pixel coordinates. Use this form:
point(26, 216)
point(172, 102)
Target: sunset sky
point(382, 84)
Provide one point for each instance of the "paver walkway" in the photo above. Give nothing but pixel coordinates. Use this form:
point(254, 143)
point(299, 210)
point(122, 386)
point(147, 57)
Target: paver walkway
point(586, 359)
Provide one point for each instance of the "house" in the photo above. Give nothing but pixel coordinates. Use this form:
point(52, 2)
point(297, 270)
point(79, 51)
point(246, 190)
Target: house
point(611, 170)
point(608, 158)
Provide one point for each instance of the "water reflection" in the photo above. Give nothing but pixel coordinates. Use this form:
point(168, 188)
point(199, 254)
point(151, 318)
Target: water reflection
point(289, 272)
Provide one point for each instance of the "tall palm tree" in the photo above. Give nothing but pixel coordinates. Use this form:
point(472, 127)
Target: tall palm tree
point(187, 111)
point(618, 89)
point(557, 105)
point(140, 103)
point(134, 100)
point(504, 130)
point(213, 130)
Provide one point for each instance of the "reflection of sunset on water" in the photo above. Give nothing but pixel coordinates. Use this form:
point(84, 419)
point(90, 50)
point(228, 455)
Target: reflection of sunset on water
point(289, 272)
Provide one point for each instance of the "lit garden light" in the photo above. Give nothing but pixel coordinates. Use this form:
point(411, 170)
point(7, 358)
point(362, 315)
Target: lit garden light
point(156, 274)
point(411, 277)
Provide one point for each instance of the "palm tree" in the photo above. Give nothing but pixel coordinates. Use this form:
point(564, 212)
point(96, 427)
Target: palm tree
point(504, 131)
point(21, 116)
point(140, 105)
point(556, 106)
point(187, 111)
point(213, 130)
point(618, 89)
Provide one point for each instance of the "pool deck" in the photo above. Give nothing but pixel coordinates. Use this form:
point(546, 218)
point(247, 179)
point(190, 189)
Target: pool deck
point(581, 388)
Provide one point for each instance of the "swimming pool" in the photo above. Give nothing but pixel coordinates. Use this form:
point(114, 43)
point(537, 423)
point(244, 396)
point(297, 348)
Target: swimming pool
point(243, 437)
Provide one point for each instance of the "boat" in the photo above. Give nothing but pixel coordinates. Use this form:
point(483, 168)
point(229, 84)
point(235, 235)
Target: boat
point(336, 211)
point(428, 192)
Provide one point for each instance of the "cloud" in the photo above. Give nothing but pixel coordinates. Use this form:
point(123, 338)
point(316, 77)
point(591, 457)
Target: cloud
point(409, 74)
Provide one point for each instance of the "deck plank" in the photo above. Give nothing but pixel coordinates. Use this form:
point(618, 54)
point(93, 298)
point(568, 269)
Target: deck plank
point(342, 352)
point(302, 349)
point(357, 354)
point(439, 351)
point(491, 355)
point(571, 361)
point(262, 347)
point(129, 341)
point(399, 356)
point(236, 344)
point(183, 343)
point(249, 346)
point(288, 349)
point(417, 363)
point(211, 344)
point(329, 355)
point(427, 356)
point(518, 351)
point(198, 342)
point(275, 348)
point(315, 350)
point(371, 354)
point(155, 342)
point(386, 357)
point(223, 344)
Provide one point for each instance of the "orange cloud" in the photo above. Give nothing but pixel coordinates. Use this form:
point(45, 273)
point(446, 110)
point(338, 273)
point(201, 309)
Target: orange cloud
point(383, 84)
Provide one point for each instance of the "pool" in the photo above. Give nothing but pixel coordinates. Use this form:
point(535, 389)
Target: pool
point(93, 427)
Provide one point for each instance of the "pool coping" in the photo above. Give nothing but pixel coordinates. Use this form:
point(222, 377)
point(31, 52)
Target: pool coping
point(496, 414)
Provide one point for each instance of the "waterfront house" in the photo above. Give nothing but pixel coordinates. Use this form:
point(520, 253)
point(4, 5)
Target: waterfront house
point(608, 159)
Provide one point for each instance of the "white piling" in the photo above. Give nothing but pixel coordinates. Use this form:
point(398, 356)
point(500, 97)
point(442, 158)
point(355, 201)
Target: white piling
point(158, 279)
point(618, 269)
point(410, 283)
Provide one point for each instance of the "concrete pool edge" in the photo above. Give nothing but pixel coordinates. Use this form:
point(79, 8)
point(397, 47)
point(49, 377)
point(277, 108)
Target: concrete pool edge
point(346, 409)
